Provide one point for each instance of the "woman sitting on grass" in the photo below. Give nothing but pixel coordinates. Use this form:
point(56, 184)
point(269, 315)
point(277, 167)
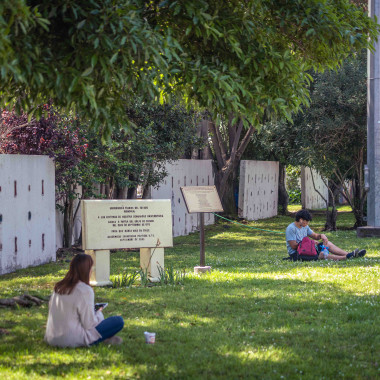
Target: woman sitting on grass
point(72, 320)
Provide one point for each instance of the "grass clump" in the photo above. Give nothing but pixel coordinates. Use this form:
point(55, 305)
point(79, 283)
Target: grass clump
point(254, 316)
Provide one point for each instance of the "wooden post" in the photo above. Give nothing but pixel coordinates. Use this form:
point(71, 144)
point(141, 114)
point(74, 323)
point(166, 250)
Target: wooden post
point(202, 239)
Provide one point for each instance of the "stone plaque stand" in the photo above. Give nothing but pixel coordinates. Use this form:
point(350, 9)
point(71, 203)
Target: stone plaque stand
point(118, 224)
point(201, 199)
point(152, 260)
point(100, 275)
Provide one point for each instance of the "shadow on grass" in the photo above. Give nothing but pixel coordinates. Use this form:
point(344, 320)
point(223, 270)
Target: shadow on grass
point(248, 328)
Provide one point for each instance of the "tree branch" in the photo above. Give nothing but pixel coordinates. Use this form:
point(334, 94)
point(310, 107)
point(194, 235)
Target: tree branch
point(216, 145)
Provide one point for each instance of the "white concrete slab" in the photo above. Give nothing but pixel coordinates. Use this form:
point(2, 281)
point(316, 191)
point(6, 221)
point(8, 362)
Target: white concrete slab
point(27, 211)
point(184, 173)
point(258, 189)
point(310, 198)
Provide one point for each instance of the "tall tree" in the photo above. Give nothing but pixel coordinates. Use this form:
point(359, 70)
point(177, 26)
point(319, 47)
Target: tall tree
point(244, 58)
point(330, 135)
point(229, 140)
point(161, 134)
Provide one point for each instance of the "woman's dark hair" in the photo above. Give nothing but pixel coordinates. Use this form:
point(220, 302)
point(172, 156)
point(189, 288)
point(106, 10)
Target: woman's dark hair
point(79, 270)
point(303, 214)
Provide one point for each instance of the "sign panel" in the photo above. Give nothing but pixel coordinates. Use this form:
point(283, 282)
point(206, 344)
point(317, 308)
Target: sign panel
point(115, 224)
point(201, 199)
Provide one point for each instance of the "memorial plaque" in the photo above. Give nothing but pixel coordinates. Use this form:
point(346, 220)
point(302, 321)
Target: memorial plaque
point(114, 224)
point(201, 199)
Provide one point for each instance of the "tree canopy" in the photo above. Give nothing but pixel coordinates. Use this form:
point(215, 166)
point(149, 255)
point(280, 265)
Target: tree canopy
point(329, 136)
point(240, 57)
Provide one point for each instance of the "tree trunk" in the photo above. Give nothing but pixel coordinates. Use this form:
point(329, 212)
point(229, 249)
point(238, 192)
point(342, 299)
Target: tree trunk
point(331, 217)
point(228, 199)
point(147, 192)
point(359, 198)
point(335, 193)
point(228, 158)
point(283, 197)
point(121, 192)
point(132, 193)
point(68, 223)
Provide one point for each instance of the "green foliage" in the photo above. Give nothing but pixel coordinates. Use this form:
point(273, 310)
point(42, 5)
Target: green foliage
point(144, 277)
point(330, 135)
point(294, 196)
point(241, 57)
point(169, 276)
point(124, 279)
point(293, 177)
point(161, 134)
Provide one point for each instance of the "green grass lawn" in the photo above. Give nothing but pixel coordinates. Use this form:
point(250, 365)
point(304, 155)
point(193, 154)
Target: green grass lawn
point(254, 316)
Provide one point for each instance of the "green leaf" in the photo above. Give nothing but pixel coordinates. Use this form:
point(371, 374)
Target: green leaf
point(94, 60)
point(113, 58)
point(80, 25)
point(87, 72)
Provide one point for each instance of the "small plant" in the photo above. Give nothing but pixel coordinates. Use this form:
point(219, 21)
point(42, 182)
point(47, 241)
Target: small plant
point(124, 279)
point(144, 277)
point(171, 277)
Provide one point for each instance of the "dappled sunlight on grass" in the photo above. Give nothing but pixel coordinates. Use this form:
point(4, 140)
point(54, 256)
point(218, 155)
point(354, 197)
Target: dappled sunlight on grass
point(253, 315)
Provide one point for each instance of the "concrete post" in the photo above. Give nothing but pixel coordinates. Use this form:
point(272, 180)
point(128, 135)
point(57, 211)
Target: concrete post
point(100, 275)
point(152, 260)
point(373, 135)
point(373, 126)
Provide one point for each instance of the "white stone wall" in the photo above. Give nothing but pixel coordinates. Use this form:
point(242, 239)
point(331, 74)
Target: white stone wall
point(258, 189)
point(184, 173)
point(27, 211)
point(310, 198)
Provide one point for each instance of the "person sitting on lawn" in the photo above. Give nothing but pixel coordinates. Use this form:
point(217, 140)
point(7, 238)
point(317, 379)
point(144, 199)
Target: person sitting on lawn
point(297, 230)
point(72, 320)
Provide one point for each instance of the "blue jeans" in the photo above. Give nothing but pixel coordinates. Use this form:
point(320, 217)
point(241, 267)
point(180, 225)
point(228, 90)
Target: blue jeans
point(109, 327)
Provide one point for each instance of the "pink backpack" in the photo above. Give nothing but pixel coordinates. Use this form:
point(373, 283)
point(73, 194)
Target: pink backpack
point(306, 250)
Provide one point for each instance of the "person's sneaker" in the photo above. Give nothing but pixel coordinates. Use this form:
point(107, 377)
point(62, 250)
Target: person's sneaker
point(350, 255)
point(361, 253)
point(113, 340)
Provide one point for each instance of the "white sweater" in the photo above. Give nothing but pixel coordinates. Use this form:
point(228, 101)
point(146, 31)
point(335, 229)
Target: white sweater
point(72, 318)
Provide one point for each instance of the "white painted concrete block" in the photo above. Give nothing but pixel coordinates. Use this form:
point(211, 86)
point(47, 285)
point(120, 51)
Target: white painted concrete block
point(27, 211)
point(258, 189)
point(310, 198)
point(184, 173)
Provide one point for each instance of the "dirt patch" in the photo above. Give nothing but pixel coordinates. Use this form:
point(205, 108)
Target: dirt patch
point(66, 254)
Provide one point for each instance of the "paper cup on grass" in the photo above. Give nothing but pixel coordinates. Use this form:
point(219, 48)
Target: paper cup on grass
point(150, 337)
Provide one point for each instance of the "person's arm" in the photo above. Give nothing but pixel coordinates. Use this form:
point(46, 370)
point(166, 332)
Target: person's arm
point(322, 237)
point(291, 237)
point(293, 244)
point(86, 309)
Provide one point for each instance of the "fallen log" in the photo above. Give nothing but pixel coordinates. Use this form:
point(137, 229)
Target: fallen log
point(26, 300)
